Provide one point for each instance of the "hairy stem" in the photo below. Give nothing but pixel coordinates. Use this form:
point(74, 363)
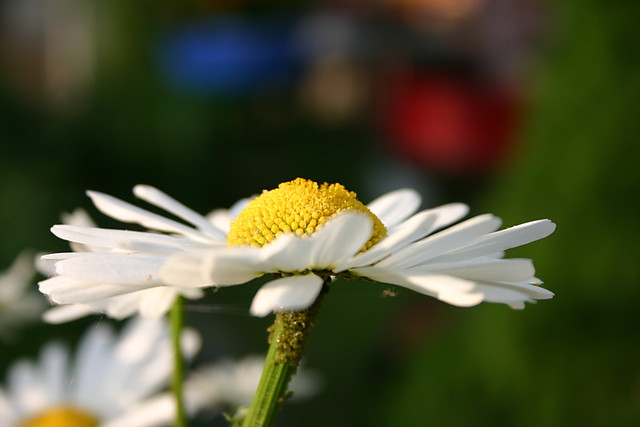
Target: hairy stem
point(288, 339)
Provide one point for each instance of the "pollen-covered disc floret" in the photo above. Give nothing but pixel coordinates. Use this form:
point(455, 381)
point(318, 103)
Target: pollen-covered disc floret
point(62, 416)
point(300, 206)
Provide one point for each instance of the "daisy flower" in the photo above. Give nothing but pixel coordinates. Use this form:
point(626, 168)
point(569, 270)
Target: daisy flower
point(308, 234)
point(228, 384)
point(19, 303)
point(117, 271)
point(233, 383)
point(108, 381)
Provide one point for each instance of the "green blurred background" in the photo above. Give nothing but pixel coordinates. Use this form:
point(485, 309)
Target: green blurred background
point(525, 109)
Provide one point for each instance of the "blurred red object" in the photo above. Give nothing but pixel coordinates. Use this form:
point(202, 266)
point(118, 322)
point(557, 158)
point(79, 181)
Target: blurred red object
point(448, 124)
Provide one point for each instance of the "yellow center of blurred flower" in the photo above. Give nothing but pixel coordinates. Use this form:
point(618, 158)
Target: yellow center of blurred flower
point(62, 416)
point(299, 206)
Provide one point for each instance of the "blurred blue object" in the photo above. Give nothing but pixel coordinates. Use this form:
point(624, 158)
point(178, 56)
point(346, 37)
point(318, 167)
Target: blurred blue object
point(230, 56)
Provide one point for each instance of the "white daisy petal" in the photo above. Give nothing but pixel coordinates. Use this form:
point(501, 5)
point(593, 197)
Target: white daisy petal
point(122, 239)
point(45, 266)
point(162, 200)
point(67, 290)
point(502, 240)
point(441, 284)
point(414, 228)
point(178, 245)
point(92, 365)
point(8, 413)
point(110, 377)
point(448, 214)
point(394, 207)
point(288, 253)
point(449, 289)
point(61, 255)
point(461, 299)
point(19, 275)
point(19, 304)
point(79, 217)
point(503, 294)
point(287, 294)
point(222, 218)
point(442, 241)
point(341, 238)
point(66, 313)
point(185, 270)
point(24, 385)
point(190, 342)
point(138, 338)
point(532, 291)
point(53, 359)
point(157, 301)
point(384, 276)
point(113, 268)
point(453, 290)
point(121, 306)
point(489, 269)
point(232, 266)
point(126, 212)
point(151, 413)
point(191, 293)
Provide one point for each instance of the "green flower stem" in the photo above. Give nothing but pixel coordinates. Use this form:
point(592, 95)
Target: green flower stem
point(176, 317)
point(288, 339)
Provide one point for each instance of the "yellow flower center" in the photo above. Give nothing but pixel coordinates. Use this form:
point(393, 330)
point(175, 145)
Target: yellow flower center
point(299, 206)
point(62, 416)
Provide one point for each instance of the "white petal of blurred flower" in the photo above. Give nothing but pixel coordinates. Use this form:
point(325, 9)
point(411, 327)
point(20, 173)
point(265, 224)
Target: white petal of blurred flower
point(233, 383)
point(107, 380)
point(117, 271)
point(19, 301)
point(226, 386)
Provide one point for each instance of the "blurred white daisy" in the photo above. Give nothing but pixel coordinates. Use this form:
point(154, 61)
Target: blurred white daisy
point(306, 234)
point(228, 385)
point(107, 382)
point(233, 383)
point(129, 260)
point(19, 301)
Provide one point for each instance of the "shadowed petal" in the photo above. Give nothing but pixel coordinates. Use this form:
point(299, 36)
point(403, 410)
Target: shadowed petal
point(287, 294)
